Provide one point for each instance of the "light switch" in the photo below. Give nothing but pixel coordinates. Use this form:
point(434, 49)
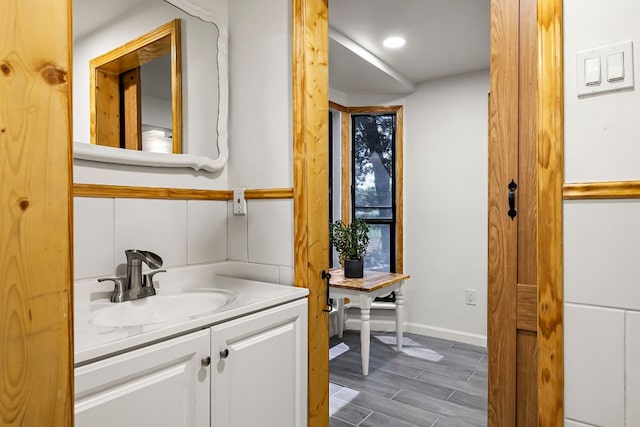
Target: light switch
point(615, 67)
point(604, 69)
point(592, 71)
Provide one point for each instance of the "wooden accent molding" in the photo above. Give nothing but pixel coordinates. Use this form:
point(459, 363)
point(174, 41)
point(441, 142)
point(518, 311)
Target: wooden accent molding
point(550, 191)
point(338, 107)
point(345, 161)
point(36, 214)
point(602, 190)
point(98, 190)
point(399, 184)
point(310, 73)
point(268, 193)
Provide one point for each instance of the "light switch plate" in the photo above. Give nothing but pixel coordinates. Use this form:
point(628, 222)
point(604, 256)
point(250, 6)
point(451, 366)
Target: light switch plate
point(616, 69)
point(239, 202)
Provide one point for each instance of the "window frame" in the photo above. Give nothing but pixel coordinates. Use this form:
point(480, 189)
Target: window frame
point(347, 165)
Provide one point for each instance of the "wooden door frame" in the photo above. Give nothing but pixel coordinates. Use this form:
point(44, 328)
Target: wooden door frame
point(36, 214)
point(310, 101)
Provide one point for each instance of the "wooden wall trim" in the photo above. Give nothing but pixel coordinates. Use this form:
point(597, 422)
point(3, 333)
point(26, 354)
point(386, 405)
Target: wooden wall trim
point(98, 190)
point(310, 73)
point(268, 193)
point(338, 107)
point(345, 161)
point(36, 214)
point(550, 191)
point(602, 190)
point(399, 184)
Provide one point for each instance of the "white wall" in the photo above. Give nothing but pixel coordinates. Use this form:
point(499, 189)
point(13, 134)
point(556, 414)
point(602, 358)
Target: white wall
point(445, 201)
point(601, 238)
point(260, 129)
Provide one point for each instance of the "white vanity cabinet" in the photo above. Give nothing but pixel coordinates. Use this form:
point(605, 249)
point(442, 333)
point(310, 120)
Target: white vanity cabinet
point(249, 371)
point(164, 384)
point(259, 369)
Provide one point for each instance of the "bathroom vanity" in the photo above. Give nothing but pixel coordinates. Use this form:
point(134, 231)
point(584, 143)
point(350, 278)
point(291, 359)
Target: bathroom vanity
point(243, 364)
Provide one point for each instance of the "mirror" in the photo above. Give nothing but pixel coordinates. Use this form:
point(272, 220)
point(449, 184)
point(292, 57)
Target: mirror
point(136, 93)
point(204, 79)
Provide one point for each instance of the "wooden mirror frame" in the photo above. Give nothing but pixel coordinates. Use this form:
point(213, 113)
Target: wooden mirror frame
point(105, 89)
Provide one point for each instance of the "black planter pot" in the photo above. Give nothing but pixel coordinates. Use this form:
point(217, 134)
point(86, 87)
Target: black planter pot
point(353, 268)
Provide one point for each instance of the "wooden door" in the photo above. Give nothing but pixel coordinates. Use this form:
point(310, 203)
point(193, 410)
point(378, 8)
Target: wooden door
point(36, 341)
point(512, 295)
point(514, 216)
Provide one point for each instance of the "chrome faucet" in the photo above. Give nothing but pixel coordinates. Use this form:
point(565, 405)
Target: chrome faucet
point(135, 285)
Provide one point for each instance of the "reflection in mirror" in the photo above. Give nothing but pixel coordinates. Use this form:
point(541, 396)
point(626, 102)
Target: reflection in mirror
point(101, 26)
point(123, 84)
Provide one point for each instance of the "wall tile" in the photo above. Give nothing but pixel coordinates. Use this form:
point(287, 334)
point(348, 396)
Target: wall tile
point(93, 241)
point(237, 245)
point(633, 369)
point(206, 231)
point(158, 226)
point(270, 232)
point(286, 276)
point(594, 365)
point(602, 253)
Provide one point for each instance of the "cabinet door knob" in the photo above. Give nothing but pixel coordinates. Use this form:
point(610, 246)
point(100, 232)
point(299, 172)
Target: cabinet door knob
point(224, 353)
point(206, 361)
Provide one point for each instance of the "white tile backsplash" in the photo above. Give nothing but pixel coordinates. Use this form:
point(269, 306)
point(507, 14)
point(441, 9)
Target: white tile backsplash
point(594, 365)
point(237, 245)
point(286, 276)
point(159, 226)
point(206, 231)
point(602, 253)
point(270, 232)
point(93, 240)
point(633, 369)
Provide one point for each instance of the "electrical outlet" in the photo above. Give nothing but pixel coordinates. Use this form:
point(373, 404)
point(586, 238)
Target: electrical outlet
point(470, 296)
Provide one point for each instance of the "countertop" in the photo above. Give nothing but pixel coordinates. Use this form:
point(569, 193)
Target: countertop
point(96, 342)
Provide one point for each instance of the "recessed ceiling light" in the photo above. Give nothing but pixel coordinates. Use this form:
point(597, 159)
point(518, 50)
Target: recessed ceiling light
point(393, 42)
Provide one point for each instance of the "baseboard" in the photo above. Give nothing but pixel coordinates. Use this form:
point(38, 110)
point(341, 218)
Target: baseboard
point(448, 334)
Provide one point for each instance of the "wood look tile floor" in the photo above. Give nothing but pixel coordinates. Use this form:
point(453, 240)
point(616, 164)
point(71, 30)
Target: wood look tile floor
point(433, 382)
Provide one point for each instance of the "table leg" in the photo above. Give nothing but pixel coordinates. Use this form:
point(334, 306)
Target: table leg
point(340, 302)
point(365, 331)
point(399, 317)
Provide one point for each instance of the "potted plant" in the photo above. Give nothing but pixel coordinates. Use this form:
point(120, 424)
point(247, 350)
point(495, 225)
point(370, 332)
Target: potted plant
point(350, 241)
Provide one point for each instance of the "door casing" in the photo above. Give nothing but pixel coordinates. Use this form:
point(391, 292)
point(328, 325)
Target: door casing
point(310, 103)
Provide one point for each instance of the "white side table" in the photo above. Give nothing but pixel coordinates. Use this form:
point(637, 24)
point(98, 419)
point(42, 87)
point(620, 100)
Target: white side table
point(362, 292)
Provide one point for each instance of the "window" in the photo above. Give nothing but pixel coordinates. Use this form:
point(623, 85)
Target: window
point(372, 190)
point(366, 154)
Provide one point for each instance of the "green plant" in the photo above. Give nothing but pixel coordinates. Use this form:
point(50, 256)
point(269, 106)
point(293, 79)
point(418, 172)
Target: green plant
point(349, 240)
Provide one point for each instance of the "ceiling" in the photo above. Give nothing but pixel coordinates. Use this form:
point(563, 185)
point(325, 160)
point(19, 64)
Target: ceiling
point(444, 37)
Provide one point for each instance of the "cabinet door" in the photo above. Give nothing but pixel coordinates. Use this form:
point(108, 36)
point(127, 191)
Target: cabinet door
point(164, 384)
point(259, 375)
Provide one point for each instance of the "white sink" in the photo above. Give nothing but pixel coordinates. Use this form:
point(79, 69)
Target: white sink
point(163, 308)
